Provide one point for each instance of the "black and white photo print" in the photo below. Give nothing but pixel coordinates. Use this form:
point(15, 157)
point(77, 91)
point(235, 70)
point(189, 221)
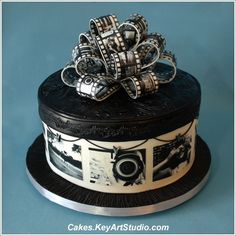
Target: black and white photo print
point(65, 155)
point(169, 158)
point(117, 167)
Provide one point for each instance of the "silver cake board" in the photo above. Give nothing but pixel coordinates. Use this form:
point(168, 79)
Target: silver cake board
point(187, 187)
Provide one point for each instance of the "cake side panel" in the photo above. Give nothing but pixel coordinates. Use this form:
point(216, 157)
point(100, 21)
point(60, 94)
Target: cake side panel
point(122, 167)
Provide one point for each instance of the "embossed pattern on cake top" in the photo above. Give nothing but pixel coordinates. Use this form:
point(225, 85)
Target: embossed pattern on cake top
point(111, 56)
point(120, 117)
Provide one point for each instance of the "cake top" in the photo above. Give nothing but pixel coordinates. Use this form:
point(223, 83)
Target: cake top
point(176, 104)
point(182, 93)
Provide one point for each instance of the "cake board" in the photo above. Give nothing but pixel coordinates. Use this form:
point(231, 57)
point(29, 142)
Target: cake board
point(69, 195)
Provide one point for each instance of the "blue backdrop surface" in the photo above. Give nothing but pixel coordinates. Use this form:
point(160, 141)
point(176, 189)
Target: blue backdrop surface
point(37, 41)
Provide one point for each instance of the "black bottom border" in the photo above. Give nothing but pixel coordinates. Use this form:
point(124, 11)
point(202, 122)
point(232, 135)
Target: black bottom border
point(65, 193)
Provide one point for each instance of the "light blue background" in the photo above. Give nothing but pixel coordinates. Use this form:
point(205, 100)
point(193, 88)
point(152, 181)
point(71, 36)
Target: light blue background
point(37, 41)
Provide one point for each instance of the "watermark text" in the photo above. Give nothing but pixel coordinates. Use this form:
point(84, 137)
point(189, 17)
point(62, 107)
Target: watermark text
point(117, 227)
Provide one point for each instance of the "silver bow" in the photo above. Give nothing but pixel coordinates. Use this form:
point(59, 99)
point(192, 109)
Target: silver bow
point(112, 56)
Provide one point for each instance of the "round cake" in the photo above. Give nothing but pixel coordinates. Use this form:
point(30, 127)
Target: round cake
point(119, 127)
point(120, 156)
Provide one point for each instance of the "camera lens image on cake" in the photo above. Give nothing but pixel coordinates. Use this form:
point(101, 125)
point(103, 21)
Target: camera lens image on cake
point(65, 155)
point(170, 158)
point(117, 167)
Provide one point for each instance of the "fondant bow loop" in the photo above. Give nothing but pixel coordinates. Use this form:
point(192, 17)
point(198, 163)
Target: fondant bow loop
point(111, 56)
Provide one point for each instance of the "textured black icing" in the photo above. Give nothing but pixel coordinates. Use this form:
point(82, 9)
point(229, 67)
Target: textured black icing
point(120, 118)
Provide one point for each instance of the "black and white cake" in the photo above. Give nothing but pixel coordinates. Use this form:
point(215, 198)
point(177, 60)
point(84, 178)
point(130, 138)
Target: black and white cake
point(105, 152)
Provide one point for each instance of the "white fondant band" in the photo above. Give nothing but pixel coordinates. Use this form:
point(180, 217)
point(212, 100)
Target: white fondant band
point(122, 167)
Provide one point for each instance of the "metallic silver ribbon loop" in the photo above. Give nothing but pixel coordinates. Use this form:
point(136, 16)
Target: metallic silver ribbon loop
point(111, 56)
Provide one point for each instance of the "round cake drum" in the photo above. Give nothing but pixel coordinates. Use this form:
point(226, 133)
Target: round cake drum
point(67, 194)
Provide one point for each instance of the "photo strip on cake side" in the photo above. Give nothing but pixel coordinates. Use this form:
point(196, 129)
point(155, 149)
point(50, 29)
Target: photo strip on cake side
point(122, 167)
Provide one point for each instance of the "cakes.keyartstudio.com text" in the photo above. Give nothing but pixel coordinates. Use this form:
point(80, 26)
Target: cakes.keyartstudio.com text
point(117, 227)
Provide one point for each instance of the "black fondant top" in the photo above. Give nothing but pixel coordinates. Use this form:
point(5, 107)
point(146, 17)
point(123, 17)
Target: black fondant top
point(119, 118)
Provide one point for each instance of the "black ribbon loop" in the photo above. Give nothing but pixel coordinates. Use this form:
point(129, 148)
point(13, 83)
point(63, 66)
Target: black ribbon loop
point(86, 38)
point(140, 85)
point(69, 75)
point(96, 87)
point(124, 64)
point(103, 24)
point(134, 30)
